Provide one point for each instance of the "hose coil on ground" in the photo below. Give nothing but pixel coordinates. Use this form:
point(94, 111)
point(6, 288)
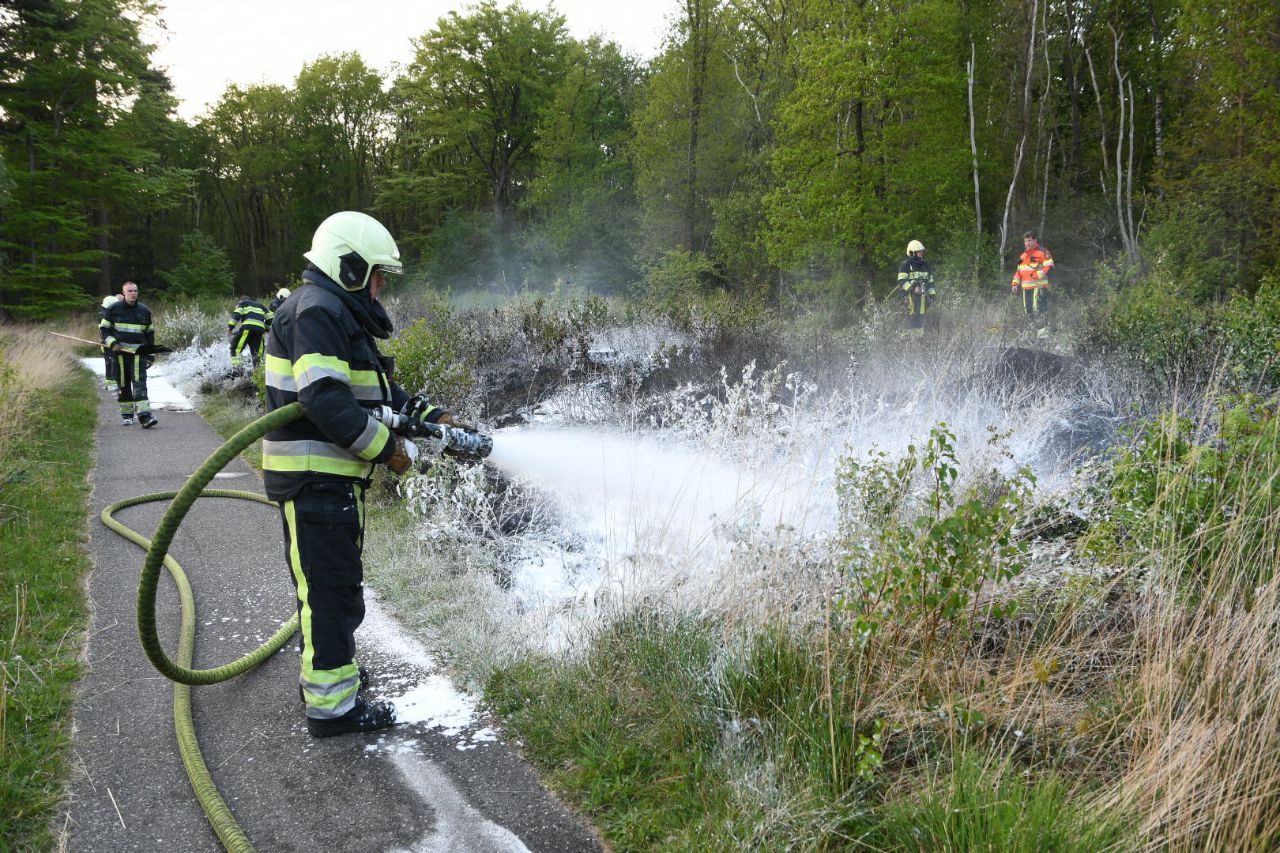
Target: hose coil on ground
point(179, 671)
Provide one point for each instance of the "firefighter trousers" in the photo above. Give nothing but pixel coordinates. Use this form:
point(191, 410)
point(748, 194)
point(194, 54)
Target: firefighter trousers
point(250, 338)
point(324, 541)
point(1035, 300)
point(131, 384)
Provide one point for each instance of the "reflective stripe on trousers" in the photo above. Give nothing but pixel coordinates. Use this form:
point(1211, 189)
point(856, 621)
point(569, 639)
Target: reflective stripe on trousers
point(324, 538)
point(131, 384)
point(249, 337)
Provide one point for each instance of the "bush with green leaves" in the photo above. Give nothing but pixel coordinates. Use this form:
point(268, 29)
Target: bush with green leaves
point(926, 561)
point(1155, 326)
point(429, 356)
point(1252, 328)
point(1193, 493)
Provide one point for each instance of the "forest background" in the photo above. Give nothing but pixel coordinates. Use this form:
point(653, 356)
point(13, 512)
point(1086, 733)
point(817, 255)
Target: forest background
point(780, 150)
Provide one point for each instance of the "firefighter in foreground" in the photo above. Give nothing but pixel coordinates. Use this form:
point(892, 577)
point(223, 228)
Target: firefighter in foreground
point(125, 326)
point(322, 353)
point(245, 330)
point(1032, 279)
point(915, 279)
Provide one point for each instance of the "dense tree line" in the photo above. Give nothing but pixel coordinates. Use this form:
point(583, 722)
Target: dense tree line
point(782, 148)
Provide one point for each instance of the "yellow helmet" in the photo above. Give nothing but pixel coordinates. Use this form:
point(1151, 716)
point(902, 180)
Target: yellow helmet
point(349, 245)
point(915, 246)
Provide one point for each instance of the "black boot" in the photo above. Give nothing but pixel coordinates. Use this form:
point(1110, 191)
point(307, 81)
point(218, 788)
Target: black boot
point(364, 717)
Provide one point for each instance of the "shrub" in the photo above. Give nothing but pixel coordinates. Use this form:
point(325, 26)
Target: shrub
point(429, 357)
point(1252, 327)
point(1193, 495)
point(930, 568)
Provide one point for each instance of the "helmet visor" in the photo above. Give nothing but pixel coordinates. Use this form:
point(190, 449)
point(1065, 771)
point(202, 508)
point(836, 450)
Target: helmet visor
point(389, 269)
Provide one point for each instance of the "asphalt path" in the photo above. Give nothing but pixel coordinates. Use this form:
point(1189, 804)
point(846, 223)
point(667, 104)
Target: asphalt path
point(430, 785)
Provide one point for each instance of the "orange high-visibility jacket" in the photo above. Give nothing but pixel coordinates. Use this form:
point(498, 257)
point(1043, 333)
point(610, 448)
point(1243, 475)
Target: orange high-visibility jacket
point(1033, 269)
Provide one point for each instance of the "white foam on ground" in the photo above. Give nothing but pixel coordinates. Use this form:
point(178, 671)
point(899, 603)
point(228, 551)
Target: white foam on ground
point(459, 827)
point(160, 391)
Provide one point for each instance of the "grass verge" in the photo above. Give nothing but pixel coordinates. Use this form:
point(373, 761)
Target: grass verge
point(43, 561)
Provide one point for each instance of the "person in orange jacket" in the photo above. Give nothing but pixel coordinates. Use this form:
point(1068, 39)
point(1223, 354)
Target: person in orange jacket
point(1032, 279)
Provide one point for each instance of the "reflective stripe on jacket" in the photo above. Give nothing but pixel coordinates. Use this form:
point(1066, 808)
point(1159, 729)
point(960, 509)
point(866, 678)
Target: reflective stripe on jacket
point(321, 353)
point(248, 314)
point(915, 271)
point(1033, 269)
point(127, 325)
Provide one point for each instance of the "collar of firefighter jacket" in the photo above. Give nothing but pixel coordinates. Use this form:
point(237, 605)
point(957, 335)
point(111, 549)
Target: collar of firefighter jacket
point(369, 312)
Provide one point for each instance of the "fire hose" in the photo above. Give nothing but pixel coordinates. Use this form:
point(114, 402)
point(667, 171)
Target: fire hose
point(453, 440)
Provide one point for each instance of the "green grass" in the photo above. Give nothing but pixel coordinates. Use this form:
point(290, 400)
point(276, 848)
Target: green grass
point(228, 414)
point(996, 808)
point(627, 734)
point(43, 562)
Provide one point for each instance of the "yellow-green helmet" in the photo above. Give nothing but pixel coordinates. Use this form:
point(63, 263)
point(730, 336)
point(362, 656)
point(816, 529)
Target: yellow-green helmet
point(349, 245)
point(915, 246)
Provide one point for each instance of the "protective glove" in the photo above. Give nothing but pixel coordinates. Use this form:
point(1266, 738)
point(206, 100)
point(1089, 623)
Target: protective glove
point(148, 361)
point(1013, 288)
point(416, 408)
point(405, 455)
point(115, 347)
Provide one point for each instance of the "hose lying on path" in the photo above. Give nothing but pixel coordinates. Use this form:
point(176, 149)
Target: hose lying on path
point(179, 670)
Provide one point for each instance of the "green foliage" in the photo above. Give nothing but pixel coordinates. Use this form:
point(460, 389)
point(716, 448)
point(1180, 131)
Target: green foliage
point(581, 200)
point(931, 568)
point(428, 356)
point(1224, 145)
point(1203, 499)
point(853, 177)
point(1252, 327)
point(629, 733)
point(203, 269)
point(43, 511)
point(676, 279)
point(468, 111)
point(1155, 326)
point(68, 70)
point(998, 808)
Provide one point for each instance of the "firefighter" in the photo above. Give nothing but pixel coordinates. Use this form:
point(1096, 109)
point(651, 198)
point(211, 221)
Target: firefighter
point(322, 352)
point(108, 357)
point(281, 295)
point(277, 301)
point(1031, 278)
point(245, 330)
point(125, 326)
point(916, 282)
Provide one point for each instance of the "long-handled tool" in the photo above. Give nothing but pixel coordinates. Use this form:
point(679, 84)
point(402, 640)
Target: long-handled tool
point(145, 349)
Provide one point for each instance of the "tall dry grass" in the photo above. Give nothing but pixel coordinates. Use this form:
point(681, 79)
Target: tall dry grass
point(33, 362)
point(1205, 765)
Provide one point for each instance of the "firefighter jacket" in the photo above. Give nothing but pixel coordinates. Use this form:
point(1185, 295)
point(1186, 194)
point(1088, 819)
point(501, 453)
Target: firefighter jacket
point(321, 353)
point(127, 325)
point(914, 272)
point(1033, 269)
point(248, 314)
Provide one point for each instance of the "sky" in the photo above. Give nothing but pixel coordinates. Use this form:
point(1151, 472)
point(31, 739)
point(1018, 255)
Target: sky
point(210, 45)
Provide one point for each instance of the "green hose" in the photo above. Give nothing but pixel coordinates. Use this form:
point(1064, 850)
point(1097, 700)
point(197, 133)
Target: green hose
point(179, 671)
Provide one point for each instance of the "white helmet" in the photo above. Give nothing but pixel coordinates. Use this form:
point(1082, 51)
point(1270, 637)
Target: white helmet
point(349, 245)
point(283, 293)
point(915, 246)
point(108, 301)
